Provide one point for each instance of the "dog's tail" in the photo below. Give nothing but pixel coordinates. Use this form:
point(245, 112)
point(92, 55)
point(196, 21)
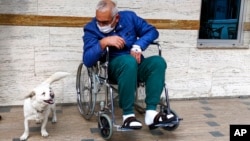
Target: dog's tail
point(56, 76)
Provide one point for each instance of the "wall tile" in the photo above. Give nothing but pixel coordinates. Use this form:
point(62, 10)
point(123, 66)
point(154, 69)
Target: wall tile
point(18, 6)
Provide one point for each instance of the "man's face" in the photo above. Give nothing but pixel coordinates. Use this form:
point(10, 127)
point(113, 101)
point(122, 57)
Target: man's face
point(105, 18)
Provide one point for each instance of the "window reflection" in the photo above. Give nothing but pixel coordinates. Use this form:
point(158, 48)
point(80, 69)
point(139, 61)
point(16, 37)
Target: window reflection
point(219, 19)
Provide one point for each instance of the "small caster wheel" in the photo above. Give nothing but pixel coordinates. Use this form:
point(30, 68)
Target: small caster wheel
point(105, 126)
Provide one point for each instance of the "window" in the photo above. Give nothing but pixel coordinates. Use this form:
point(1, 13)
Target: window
point(221, 23)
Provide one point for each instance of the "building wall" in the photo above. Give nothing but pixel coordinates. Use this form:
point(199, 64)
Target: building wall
point(30, 54)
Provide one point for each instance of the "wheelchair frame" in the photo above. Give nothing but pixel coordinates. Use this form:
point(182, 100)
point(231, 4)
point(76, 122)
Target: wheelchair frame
point(89, 82)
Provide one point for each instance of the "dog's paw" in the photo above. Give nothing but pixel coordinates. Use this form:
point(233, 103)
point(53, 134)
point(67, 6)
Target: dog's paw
point(44, 133)
point(54, 120)
point(24, 137)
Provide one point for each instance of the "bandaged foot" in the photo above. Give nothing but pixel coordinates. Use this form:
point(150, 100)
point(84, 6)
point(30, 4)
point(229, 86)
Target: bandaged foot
point(149, 117)
point(155, 119)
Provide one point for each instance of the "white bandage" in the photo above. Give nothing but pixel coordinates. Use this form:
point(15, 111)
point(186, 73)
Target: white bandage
point(136, 48)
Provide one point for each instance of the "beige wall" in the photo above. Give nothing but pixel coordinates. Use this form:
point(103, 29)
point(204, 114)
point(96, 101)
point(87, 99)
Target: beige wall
point(30, 54)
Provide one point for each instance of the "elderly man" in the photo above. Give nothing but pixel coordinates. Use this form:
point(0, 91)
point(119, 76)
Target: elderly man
point(127, 35)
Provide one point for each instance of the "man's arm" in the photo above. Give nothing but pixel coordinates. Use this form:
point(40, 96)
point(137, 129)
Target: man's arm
point(146, 32)
point(94, 45)
point(92, 50)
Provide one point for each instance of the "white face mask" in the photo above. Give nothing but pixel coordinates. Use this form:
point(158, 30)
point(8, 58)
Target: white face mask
point(105, 29)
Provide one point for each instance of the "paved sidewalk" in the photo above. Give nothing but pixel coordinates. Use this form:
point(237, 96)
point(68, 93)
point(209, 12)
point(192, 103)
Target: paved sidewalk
point(204, 120)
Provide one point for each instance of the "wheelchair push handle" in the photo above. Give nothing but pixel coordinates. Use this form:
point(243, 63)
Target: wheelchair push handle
point(157, 43)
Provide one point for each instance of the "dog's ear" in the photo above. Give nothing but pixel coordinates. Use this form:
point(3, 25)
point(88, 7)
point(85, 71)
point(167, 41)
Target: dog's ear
point(31, 95)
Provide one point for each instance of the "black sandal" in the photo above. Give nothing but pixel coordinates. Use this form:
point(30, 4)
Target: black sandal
point(157, 121)
point(127, 122)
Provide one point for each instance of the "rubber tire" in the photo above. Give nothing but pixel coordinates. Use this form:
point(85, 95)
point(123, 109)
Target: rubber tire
point(86, 100)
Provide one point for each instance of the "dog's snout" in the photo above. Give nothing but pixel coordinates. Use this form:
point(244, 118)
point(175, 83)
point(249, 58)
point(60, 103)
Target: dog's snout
point(52, 95)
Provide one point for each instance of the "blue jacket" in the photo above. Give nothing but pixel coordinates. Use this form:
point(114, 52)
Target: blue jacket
point(133, 29)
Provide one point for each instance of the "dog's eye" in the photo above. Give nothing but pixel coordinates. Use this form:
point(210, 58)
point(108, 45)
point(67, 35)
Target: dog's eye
point(43, 93)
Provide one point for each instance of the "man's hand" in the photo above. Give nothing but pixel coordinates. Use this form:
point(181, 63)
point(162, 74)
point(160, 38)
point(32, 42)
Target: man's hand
point(114, 41)
point(137, 56)
point(136, 52)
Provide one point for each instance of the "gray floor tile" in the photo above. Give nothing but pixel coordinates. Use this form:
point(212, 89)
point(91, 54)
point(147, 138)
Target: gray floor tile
point(212, 123)
point(209, 115)
point(216, 134)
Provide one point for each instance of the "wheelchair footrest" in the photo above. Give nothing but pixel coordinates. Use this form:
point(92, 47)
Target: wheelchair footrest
point(119, 128)
point(169, 124)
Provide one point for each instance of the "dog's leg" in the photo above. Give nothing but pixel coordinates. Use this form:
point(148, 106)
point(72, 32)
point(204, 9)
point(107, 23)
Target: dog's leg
point(26, 130)
point(53, 109)
point(44, 132)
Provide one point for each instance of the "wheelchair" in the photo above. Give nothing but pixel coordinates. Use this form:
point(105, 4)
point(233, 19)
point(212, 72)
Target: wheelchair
point(90, 81)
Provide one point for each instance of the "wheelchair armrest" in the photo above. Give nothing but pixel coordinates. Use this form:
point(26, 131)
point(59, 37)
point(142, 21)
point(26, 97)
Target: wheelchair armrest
point(155, 42)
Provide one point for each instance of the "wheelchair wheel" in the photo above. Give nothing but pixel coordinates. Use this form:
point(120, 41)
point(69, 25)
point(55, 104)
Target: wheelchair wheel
point(105, 126)
point(140, 105)
point(85, 97)
point(175, 123)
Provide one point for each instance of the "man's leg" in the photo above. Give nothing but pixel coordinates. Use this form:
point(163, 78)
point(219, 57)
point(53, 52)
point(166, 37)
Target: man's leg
point(152, 72)
point(123, 70)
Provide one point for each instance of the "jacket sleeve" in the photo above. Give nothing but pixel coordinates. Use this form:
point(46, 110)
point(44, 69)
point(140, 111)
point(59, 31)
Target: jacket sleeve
point(91, 49)
point(146, 32)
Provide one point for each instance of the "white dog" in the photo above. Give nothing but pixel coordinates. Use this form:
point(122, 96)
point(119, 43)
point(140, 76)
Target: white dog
point(39, 103)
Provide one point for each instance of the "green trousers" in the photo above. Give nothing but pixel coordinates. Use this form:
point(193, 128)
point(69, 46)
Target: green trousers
point(126, 72)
